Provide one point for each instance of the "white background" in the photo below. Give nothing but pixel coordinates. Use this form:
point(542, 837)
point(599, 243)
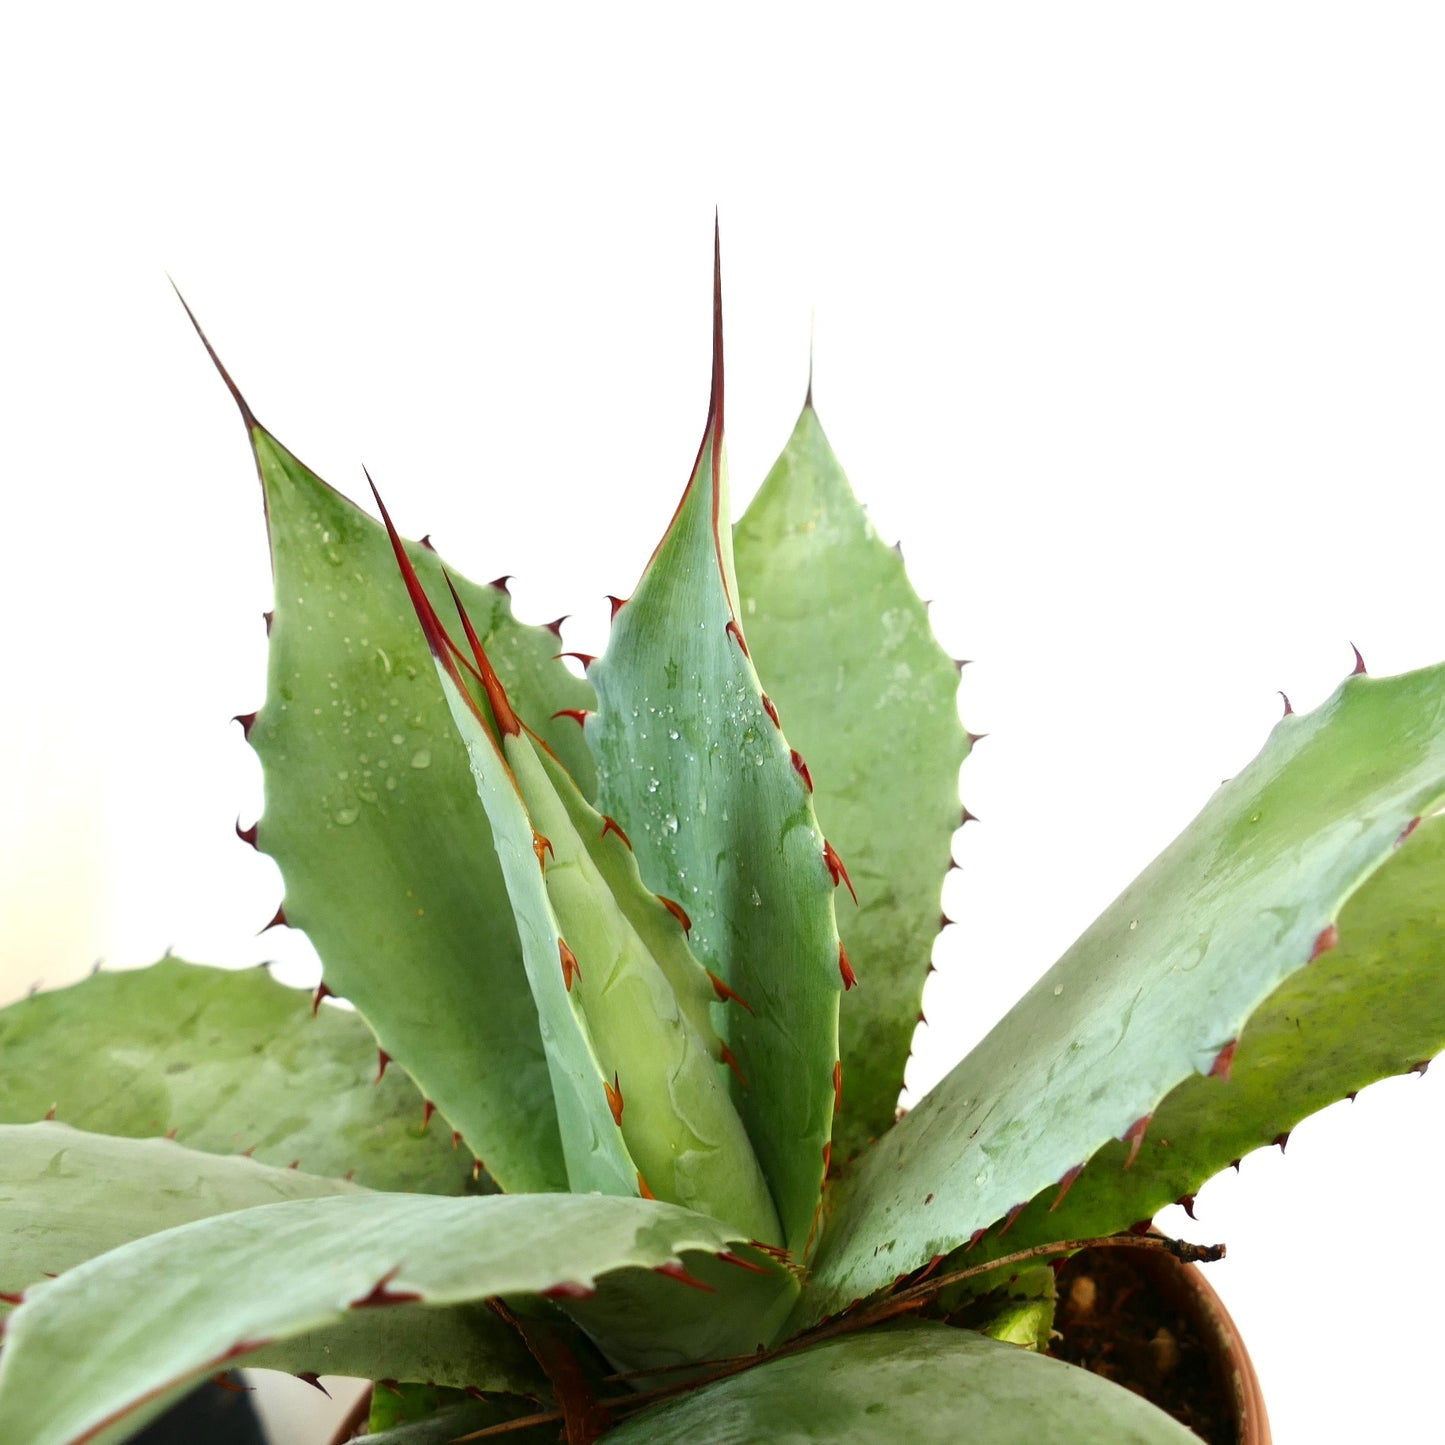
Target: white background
point(1129, 325)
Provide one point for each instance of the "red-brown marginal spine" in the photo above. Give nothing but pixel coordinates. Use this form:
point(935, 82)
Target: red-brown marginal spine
point(726, 994)
point(1134, 1137)
point(570, 966)
point(674, 1270)
point(507, 720)
point(837, 869)
point(381, 1294)
point(728, 1257)
point(727, 1057)
point(569, 1289)
point(676, 909)
point(1066, 1183)
point(437, 641)
point(1223, 1061)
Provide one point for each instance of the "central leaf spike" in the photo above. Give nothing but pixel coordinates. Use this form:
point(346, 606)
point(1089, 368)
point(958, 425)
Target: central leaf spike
point(717, 803)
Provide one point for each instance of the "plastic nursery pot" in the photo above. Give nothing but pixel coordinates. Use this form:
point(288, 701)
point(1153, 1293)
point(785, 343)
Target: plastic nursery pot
point(1156, 1326)
point(215, 1414)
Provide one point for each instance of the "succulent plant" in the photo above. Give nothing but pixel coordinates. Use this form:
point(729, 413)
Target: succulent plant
point(645, 953)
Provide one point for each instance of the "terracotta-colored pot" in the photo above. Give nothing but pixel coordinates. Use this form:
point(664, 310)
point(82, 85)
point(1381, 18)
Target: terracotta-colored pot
point(1185, 1288)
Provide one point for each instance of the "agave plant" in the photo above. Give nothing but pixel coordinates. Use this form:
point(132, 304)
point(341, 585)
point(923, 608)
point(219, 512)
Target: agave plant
point(645, 953)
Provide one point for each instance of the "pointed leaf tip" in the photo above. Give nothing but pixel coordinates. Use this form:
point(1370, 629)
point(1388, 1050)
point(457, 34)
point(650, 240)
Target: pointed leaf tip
point(715, 401)
point(247, 415)
point(507, 720)
point(1359, 667)
point(436, 638)
point(1288, 706)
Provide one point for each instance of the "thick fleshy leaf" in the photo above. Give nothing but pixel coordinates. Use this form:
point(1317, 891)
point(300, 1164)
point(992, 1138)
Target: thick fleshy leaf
point(731, 1306)
point(643, 1107)
point(225, 1061)
point(594, 1154)
point(923, 1383)
point(870, 698)
point(1372, 1007)
point(643, 998)
point(466, 1346)
point(70, 1196)
point(694, 766)
point(371, 813)
point(90, 1356)
point(382, 842)
point(1157, 990)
